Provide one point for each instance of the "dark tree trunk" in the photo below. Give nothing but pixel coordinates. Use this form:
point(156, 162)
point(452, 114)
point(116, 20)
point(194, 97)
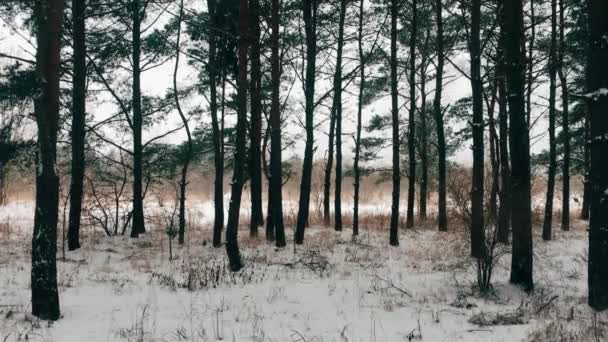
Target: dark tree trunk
point(394, 230)
point(522, 255)
point(424, 157)
point(138, 205)
point(494, 160)
point(548, 222)
point(597, 84)
point(565, 124)
point(218, 192)
point(255, 131)
point(310, 18)
point(411, 135)
point(586, 185)
point(184, 181)
point(504, 211)
point(232, 228)
point(530, 64)
point(79, 79)
point(477, 211)
point(338, 109)
point(356, 168)
point(329, 164)
point(45, 297)
point(442, 216)
point(276, 207)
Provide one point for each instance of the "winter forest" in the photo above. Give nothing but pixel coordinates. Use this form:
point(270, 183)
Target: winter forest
point(304, 170)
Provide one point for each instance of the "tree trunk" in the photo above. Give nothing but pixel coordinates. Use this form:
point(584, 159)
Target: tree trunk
point(597, 84)
point(255, 131)
point(522, 255)
point(411, 138)
point(184, 181)
point(477, 210)
point(530, 64)
point(276, 180)
point(548, 222)
point(587, 156)
point(424, 157)
point(338, 109)
point(504, 211)
point(329, 167)
point(45, 297)
point(494, 160)
point(79, 79)
point(310, 18)
point(394, 230)
point(218, 192)
point(232, 228)
point(138, 206)
point(565, 124)
point(356, 168)
point(442, 217)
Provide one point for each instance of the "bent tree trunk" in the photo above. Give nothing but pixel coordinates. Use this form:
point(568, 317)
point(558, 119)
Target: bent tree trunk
point(79, 80)
point(45, 297)
point(522, 256)
point(597, 84)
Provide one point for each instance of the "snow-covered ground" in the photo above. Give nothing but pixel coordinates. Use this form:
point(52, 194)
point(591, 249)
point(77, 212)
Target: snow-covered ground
point(330, 289)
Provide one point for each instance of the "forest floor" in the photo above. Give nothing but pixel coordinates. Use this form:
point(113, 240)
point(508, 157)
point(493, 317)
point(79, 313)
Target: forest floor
point(331, 289)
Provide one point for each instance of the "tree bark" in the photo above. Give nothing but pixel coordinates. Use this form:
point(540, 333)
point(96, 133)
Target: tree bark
point(232, 228)
point(310, 26)
point(548, 222)
point(442, 217)
point(338, 109)
point(565, 123)
point(45, 297)
point(394, 230)
point(411, 138)
point(597, 85)
point(79, 80)
point(138, 206)
point(424, 157)
point(356, 167)
point(276, 181)
point(504, 211)
point(255, 131)
point(477, 210)
point(218, 192)
point(522, 255)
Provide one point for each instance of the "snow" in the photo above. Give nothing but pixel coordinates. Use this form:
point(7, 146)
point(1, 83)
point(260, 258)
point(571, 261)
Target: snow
point(594, 95)
point(127, 290)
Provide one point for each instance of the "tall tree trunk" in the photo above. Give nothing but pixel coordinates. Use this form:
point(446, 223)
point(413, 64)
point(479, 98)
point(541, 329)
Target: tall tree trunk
point(232, 228)
point(504, 211)
point(45, 297)
point(276, 180)
point(494, 159)
point(587, 156)
point(79, 84)
point(184, 181)
point(411, 137)
point(442, 217)
point(565, 123)
point(394, 230)
point(329, 164)
point(138, 205)
point(548, 222)
point(522, 255)
point(310, 19)
point(338, 109)
point(477, 210)
point(255, 131)
point(424, 157)
point(218, 192)
point(530, 64)
point(597, 84)
point(356, 167)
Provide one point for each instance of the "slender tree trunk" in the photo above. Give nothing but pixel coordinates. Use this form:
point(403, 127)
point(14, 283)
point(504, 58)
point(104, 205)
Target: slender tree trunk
point(276, 180)
point(438, 114)
point(394, 230)
point(515, 55)
point(565, 123)
point(587, 156)
point(411, 138)
point(232, 228)
point(598, 176)
point(494, 160)
point(504, 211)
point(356, 167)
point(530, 64)
point(477, 210)
point(79, 79)
point(329, 164)
point(255, 132)
point(138, 205)
point(424, 158)
point(310, 18)
point(218, 193)
point(184, 181)
point(45, 297)
point(548, 222)
point(338, 109)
